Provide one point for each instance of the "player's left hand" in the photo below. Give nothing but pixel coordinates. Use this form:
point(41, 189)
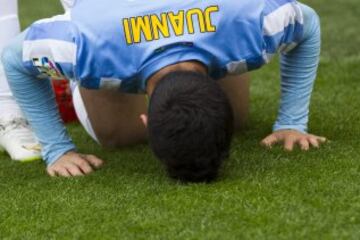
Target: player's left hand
point(290, 138)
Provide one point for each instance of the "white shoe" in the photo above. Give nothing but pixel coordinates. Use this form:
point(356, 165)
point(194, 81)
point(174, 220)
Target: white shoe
point(17, 139)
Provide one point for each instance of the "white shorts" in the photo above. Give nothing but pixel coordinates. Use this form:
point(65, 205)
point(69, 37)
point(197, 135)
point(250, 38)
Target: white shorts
point(81, 111)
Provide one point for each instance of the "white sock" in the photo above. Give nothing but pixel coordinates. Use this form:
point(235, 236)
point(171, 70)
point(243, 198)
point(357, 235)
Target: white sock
point(67, 4)
point(9, 25)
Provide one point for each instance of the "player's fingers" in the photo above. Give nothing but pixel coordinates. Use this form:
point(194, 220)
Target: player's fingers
point(83, 165)
point(314, 142)
point(62, 172)
point(94, 161)
point(269, 141)
point(289, 143)
point(51, 172)
point(322, 139)
point(304, 144)
point(74, 170)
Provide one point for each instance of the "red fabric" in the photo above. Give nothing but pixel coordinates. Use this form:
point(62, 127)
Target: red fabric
point(64, 100)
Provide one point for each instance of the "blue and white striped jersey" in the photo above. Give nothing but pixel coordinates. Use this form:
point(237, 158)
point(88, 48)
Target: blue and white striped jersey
point(120, 44)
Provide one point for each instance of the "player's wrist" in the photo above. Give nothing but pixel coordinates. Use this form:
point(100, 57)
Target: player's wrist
point(300, 128)
point(56, 155)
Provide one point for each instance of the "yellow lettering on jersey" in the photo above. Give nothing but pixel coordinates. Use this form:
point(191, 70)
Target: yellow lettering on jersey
point(153, 27)
point(177, 22)
point(160, 26)
point(127, 31)
point(189, 20)
point(208, 12)
point(141, 26)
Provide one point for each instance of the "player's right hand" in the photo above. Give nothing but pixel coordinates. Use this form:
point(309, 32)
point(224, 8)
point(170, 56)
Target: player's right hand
point(74, 164)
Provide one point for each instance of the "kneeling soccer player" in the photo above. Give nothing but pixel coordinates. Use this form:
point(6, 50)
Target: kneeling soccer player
point(172, 51)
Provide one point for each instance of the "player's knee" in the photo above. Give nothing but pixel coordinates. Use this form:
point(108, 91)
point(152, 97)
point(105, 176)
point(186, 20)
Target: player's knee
point(190, 126)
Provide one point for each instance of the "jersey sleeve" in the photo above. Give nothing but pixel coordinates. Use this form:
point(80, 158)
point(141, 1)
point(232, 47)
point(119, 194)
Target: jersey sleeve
point(49, 48)
point(37, 102)
point(45, 50)
point(298, 73)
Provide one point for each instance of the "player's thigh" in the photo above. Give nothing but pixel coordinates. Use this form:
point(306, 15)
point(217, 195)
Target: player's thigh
point(237, 89)
point(8, 7)
point(115, 117)
point(9, 22)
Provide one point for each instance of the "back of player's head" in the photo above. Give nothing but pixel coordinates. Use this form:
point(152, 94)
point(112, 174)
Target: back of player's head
point(190, 126)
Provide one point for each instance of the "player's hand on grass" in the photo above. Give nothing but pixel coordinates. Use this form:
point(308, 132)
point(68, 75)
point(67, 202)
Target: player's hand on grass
point(290, 138)
point(74, 164)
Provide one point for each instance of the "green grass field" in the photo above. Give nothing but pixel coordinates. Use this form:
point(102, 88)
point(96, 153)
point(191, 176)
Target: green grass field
point(261, 194)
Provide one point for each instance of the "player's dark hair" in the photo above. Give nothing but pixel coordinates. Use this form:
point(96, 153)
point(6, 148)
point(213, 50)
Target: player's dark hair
point(190, 126)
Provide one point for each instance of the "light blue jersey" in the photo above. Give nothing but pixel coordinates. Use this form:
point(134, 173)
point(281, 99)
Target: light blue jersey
point(120, 43)
point(122, 46)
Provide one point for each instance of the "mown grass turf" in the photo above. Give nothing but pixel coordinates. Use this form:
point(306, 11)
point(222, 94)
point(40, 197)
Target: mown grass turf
point(261, 194)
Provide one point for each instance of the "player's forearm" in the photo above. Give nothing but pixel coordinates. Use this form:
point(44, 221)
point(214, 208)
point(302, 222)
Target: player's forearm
point(298, 73)
point(36, 100)
point(294, 106)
